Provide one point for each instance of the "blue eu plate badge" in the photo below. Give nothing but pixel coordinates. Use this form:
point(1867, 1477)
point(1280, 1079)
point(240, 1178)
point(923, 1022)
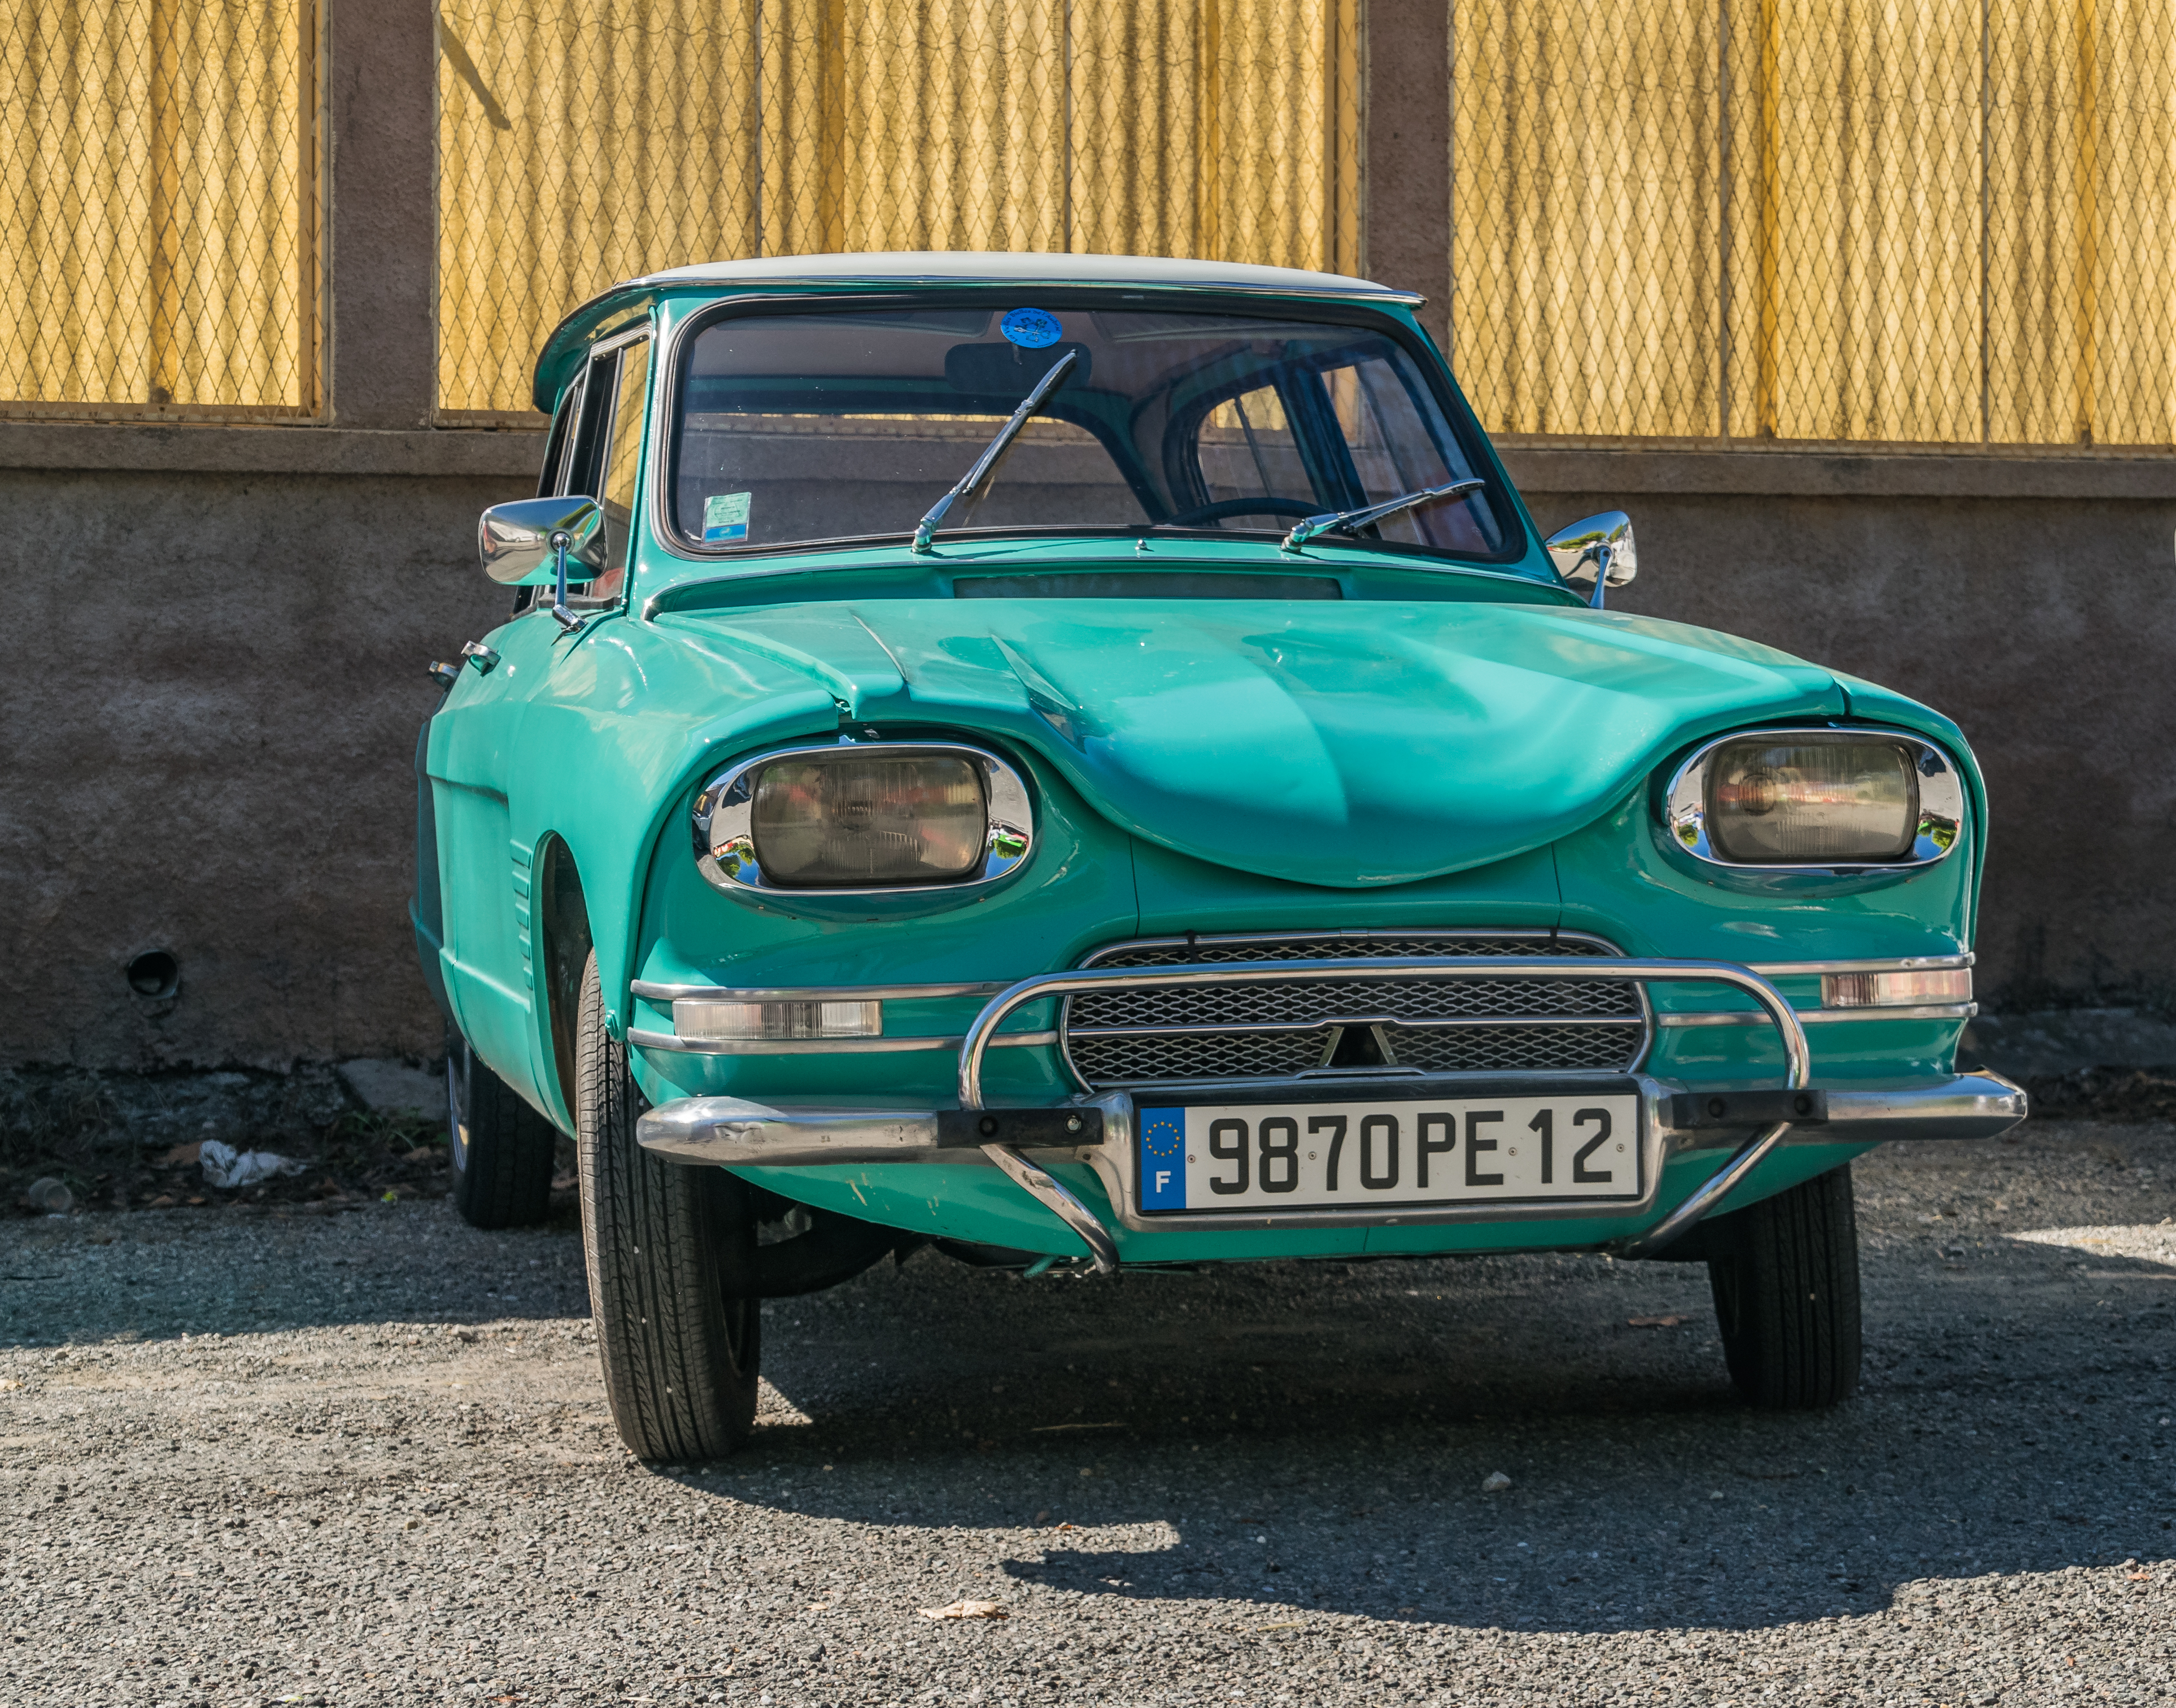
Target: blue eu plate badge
point(1163, 1159)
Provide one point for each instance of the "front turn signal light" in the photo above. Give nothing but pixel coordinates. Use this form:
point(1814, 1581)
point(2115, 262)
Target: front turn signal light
point(1889, 990)
point(702, 1020)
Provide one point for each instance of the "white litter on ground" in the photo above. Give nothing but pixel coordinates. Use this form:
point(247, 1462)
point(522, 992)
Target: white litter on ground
point(225, 1166)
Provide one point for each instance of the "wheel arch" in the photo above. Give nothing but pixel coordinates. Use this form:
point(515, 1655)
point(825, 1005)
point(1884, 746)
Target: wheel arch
point(564, 924)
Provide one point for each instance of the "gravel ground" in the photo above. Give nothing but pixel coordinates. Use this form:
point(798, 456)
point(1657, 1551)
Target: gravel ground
point(257, 1455)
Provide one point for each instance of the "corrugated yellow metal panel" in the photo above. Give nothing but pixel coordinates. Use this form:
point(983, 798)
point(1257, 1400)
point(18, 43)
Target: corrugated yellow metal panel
point(1585, 247)
point(158, 208)
point(2081, 241)
point(586, 140)
point(579, 141)
point(1921, 221)
point(1868, 221)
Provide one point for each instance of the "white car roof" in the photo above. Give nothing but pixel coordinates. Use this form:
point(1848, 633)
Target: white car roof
point(964, 266)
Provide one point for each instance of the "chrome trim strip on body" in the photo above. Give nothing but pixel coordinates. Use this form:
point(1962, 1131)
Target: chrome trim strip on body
point(1910, 963)
point(725, 841)
point(650, 992)
point(823, 1046)
point(1901, 1011)
point(1941, 803)
point(1476, 933)
point(1476, 966)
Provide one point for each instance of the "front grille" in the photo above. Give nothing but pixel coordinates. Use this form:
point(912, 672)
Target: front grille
point(1459, 1023)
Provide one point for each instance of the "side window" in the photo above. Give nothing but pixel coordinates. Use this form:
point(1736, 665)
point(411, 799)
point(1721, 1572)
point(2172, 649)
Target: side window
point(555, 447)
point(1245, 449)
point(606, 453)
point(623, 460)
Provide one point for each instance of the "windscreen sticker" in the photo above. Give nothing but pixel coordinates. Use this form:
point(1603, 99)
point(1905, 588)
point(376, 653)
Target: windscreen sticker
point(1032, 329)
point(725, 519)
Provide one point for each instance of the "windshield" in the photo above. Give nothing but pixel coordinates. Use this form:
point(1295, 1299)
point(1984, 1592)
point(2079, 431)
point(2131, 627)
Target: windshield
point(820, 426)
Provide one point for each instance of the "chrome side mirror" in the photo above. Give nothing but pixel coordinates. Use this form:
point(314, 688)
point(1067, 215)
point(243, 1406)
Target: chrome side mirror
point(1597, 554)
point(536, 542)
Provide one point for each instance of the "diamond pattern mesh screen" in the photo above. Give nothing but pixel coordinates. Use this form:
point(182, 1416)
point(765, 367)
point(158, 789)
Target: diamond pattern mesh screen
point(1932, 221)
point(585, 141)
point(1275, 1031)
point(158, 208)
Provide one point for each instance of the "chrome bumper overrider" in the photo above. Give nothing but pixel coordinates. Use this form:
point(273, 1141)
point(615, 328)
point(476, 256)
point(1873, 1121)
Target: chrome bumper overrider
point(1098, 1131)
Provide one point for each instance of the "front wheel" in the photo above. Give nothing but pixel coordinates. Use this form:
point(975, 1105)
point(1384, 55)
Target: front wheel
point(671, 1250)
point(1785, 1275)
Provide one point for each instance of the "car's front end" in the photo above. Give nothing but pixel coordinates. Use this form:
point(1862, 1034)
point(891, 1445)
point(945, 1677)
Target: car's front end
point(1213, 1057)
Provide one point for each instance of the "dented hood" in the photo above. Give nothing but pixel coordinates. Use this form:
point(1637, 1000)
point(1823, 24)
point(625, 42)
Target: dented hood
point(1350, 744)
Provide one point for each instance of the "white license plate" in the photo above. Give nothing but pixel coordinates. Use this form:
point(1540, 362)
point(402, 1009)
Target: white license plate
point(1382, 1155)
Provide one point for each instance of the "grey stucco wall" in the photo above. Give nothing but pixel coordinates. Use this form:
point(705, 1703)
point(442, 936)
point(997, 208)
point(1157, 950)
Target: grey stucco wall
point(210, 687)
point(210, 691)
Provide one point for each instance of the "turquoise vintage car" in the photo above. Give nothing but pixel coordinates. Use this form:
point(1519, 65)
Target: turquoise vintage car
point(1085, 762)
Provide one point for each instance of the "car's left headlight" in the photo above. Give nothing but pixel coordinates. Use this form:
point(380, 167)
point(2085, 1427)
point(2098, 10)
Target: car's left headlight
point(863, 817)
point(1823, 799)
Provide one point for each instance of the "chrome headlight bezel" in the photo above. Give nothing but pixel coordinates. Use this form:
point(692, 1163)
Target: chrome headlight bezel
point(725, 839)
point(1941, 800)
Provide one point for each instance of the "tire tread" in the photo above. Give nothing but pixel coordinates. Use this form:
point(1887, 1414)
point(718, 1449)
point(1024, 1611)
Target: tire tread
point(511, 1152)
point(1785, 1274)
point(659, 1240)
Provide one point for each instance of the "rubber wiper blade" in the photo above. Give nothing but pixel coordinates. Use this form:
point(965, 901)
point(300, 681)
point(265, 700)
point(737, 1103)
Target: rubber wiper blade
point(985, 463)
point(1345, 521)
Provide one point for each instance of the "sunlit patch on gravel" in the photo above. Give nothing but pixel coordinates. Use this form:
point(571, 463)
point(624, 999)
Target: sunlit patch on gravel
point(2153, 1243)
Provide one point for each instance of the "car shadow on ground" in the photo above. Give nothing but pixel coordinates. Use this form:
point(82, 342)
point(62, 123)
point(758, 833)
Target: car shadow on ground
point(1315, 1437)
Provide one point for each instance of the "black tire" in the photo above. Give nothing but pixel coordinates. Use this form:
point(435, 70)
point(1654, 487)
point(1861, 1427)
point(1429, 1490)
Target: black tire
point(671, 1249)
point(501, 1149)
point(1785, 1275)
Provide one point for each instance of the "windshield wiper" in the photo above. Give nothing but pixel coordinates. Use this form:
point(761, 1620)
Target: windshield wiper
point(927, 527)
point(1344, 521)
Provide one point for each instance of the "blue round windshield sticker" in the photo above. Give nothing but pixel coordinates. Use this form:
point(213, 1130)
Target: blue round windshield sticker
point(1032, 329)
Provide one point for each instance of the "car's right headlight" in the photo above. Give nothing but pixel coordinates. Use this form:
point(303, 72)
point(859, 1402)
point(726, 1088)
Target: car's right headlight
point(862, 817)
point(1823, 799)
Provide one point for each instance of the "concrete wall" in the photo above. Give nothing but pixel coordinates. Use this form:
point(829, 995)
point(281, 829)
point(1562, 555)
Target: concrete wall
point(213, 670)
point(209, 690)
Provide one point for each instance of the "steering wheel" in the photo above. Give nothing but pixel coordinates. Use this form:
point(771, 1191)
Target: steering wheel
point(1263, 506)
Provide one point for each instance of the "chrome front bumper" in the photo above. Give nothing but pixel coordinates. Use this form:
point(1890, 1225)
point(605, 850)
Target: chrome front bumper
point(1099, 1130)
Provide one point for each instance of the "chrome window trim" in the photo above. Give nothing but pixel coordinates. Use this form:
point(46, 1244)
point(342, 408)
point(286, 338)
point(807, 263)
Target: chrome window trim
point(725, 848)
point(1941, 802)
point(1194, 940)
point(915, 291)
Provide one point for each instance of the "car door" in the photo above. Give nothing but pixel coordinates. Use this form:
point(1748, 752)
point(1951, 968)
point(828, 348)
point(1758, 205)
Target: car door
point(486, 870)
